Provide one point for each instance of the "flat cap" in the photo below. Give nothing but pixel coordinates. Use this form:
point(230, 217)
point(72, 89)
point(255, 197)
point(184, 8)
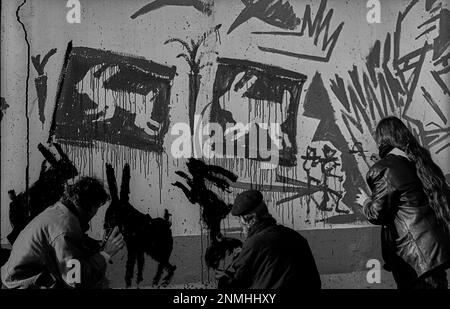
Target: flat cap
point(246, 201)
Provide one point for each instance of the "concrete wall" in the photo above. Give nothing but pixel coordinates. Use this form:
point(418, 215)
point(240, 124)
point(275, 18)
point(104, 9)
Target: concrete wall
point(322, 70)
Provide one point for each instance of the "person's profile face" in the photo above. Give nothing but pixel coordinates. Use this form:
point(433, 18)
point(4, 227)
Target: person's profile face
point(93, 210)
point(246, 225)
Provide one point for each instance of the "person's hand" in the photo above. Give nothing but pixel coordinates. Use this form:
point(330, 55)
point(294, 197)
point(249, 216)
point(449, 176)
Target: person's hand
point(218, 274)
point(361, 197)
point(114, 243)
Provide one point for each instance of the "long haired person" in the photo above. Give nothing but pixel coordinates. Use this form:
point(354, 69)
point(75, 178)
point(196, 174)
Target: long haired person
point(411, 200)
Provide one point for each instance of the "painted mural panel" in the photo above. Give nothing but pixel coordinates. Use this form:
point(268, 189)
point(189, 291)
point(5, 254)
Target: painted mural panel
point(114, 98)
point(281, 96)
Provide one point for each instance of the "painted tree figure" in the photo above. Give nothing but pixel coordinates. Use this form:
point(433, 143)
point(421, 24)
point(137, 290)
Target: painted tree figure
point(194, 59)
point(142, 233)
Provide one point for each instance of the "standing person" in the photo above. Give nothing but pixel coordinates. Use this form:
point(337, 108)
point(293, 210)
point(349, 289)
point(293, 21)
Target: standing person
point(48, 248)
point(410, 199)
point(272, 256)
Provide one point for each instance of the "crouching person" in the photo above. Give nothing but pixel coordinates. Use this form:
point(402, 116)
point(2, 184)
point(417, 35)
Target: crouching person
point(273, 256)
point(53, 250)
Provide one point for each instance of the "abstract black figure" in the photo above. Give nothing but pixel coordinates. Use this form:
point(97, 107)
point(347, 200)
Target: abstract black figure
point(214, 210)
point(142, 233)
point(3, 107)
point(46, 191)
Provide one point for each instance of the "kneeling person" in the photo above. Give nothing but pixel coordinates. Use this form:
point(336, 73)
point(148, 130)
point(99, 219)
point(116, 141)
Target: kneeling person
point(273, 256)
point(46, 250)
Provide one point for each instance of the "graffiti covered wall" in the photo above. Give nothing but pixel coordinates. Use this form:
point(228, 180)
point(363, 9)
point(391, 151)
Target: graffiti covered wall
point(205, 99)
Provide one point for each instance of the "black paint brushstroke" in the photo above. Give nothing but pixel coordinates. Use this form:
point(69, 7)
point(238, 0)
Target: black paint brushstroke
point(426, 32)
point(436, 8)
point(213, 209)
point(40, 65)
point(315, 29)
point(272, 12)
point(429, 4)
point(270, 85)
point(338, 87)
point(202, 6)
point(437, 77)
point(433, 105)
point(142, 233)
point(59, 91)
point(136, 75)
point(442, 41)
point(3, 107)
point(41, 81)
point(385, 95)
point(372, 100)
point(373, 61)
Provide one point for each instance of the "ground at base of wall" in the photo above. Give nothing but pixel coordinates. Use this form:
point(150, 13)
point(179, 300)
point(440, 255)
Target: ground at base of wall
point(353, 280)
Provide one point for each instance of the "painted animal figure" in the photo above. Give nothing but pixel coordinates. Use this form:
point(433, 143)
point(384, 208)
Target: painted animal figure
point(142, 233)
point(213, 208)
point(141, 105)
point(46, 191)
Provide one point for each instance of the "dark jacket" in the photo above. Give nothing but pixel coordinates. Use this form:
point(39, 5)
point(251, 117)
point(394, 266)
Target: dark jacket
point(273, 257)
point(41, 253)
point(410, 230)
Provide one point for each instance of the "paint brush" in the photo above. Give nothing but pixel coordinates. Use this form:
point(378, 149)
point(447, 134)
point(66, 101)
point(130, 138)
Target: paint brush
point(108, 232)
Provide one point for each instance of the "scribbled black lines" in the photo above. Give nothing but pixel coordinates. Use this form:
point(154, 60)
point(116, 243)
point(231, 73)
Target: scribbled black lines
point(213, 209)
point(414, 61)
point(328, 164)
point(203, 6)
point(279, 87)
point(28, 204)
point(41, 81)
point(317, 105)
point(272, 12)
point(113, 98)
point(440, 45)
point(3, 107)
point(315, 29)
point(388, 86)
point(437, 74)
point(194, 59)
point(142, 233)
